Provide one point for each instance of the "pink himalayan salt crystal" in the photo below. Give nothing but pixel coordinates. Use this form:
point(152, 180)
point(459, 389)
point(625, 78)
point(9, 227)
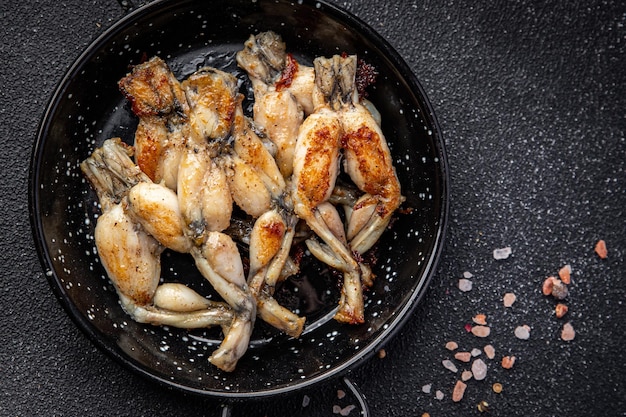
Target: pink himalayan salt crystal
point(508, 361)
point(490, 351)
point(568, 333)
point(466, 375)
point(465, 285)
point(481, 331)
point(502, 253)
point(451, 345)
point(459, 391)
point(449, 365)
point(565, 273)
point(559, 289)
point(463, 356)
point(343, 411)
point(522, 332)
point(508, 299)
point(479, 369)
point(439, 395)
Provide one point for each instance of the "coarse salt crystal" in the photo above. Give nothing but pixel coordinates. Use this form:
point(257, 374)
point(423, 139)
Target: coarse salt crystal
point(547, 286)
point(465, 285)
point(439, 395)
point(459, 391)
point(343, 411)
point(559, 290)
point(601, 249)
point(568, 333)
point(502, 253)
point(481, 331)
point(479, 369)
point(480, 319)
point(463, 356)
point(490, 351)
point(508, 361)
point(426, 388)
point(565, 274)
point(467, 274)
point(522, 332)
point(475, 352)
point(560, 310)
point(451, 345)
point(466, 375)
point(449, 365)
point(508, 299)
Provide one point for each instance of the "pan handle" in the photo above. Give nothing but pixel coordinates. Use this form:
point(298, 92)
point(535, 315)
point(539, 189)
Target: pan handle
point(227, 410)
point(358, 395)
point(350, 388)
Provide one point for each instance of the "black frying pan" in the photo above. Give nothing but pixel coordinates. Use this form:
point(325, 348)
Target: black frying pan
point(87, 108)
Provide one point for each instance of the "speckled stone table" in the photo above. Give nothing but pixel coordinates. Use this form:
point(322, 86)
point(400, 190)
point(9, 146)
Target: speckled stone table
point(531, 101)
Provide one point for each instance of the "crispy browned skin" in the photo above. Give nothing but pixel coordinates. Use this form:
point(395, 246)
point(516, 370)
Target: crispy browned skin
point(157, 98)
point(366, 146)
point(315, 170)
point(150, 138)
point(316, 178)
point(152, 89)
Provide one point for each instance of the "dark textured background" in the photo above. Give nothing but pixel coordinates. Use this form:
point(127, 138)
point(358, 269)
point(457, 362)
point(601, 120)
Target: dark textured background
point(531, 101)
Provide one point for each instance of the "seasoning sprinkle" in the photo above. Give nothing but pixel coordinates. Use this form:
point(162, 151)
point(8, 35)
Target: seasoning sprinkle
point(465, 285)
point(601, 249)
point(560, 310)
point(466, 375)
point(502, 253)
point(479, 369)
point(480, 319)
point(559, 290)
point(490, 351)
point(451, 345)
point(459, 391)
point(565, 274)
point(522, 332)
point(568, 332)
point(509, 299)
point(481, 331)
point(548, 284)
point(449, 365)
point(508, 361)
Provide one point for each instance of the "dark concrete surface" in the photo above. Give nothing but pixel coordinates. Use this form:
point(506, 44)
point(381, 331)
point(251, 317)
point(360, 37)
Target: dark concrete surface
point(530, 97)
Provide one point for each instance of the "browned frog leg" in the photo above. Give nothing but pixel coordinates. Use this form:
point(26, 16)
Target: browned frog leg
point(270, 242)
point(316, 167)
